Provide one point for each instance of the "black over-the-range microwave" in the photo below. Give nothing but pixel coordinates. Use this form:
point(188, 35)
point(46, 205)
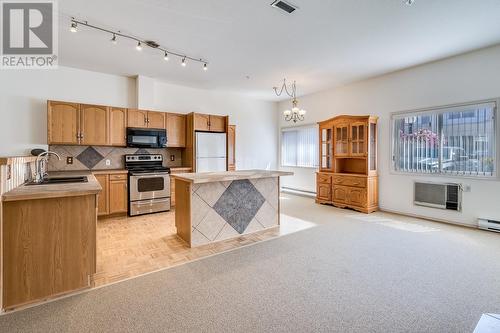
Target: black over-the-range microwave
point(146, 137)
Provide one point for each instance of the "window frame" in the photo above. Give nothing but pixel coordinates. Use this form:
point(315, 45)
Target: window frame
point(442, 108)
point(291, 128)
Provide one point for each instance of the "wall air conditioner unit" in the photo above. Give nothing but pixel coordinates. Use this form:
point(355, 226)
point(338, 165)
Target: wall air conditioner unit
point(438, 195)
point(487, 224)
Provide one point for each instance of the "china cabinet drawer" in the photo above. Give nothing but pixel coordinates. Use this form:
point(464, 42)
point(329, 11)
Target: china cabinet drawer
point(324, 178)
point(349, 181)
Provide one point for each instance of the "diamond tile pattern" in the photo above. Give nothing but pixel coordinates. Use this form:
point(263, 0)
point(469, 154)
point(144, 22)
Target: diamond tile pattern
point(90, 157)
point(239, 204)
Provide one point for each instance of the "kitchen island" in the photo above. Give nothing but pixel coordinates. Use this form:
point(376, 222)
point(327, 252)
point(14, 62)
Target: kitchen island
point(213, 206)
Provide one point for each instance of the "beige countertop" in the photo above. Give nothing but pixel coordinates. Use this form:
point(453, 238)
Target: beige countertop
point(31, 192)
point(208, 177)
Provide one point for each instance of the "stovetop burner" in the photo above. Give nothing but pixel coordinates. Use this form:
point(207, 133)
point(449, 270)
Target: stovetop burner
point(145, 163)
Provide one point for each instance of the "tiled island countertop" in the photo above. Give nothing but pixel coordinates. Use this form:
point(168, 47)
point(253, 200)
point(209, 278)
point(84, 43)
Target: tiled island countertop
point(214, 206)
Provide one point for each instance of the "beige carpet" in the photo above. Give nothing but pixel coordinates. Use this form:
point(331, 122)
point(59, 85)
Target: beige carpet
point(349, 274)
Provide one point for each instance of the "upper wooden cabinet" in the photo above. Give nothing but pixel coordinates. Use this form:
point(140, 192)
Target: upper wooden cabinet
point(118, 126)
point(201, 122)
point(217, 123)
point(137, 118)
point(145, 119)
point(231, 147)
point(63, 121)
point(176, 130)
point(209, 123)
point(156, 119)
point(94, 125)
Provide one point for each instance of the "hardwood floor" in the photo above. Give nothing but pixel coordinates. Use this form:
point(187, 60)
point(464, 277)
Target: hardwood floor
point(132, 246)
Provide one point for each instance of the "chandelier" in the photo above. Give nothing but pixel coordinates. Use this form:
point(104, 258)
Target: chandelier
point(295, 114)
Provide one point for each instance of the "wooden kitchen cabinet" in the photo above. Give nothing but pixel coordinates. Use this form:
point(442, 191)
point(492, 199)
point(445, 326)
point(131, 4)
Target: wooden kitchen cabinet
point(137, 118)
point(156, 119)
point(94, 125)
point(113, 199)
point(176, 130)
point(118, 194)
point(49, 248)
point(231, 148)
point(63, 121)
point(201, 122)
point(103, 202)
point(209, 123)
point(217, 123)
point(118, 127)
point(348, 163)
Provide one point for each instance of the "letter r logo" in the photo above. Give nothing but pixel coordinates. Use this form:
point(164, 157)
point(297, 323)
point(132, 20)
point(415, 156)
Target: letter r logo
point(27, 27)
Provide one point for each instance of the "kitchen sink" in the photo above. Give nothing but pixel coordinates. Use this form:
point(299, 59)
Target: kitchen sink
point(61, 180)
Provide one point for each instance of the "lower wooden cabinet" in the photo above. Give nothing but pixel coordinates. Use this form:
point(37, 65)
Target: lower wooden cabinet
point(231, 147)
point(114, 196)
point(49, 248)
point(359, 192)
point(172, 182)
point(118, 194)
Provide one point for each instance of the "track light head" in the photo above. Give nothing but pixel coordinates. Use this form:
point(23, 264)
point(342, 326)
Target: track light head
point(205, 67)
point(165, 57)
point(113, 40)
point(74, 27)
point(139, 46)
point(183, 63)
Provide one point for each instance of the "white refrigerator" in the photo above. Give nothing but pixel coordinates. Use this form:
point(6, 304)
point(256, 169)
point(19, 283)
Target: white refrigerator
point(210, 152)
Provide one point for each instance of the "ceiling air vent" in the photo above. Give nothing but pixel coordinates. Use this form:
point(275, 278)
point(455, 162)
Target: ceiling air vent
point(287, 7)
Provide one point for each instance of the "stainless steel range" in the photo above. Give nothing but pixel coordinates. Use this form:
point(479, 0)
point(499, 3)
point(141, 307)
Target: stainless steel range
point(148, 183)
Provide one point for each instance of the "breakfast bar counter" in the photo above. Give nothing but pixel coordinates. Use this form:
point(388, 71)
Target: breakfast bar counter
point(213, 206)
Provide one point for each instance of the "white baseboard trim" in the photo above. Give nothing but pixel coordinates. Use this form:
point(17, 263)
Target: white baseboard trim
point(298, 192)
point(433, 219)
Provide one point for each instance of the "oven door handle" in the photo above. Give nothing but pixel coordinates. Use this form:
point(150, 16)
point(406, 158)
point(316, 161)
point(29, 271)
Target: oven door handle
point(141, 175)
point(149, 202)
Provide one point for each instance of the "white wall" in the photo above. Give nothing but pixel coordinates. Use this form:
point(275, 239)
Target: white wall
point(256, 121)
point(24, 95)
point(465, 78)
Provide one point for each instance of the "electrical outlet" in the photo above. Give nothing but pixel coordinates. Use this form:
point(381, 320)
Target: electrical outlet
point(172, 158)
point(69, 160)
point(108, 162)
point(467, 188)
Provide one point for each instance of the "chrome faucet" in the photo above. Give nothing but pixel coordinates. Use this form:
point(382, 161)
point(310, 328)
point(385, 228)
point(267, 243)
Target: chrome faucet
point(41, 167)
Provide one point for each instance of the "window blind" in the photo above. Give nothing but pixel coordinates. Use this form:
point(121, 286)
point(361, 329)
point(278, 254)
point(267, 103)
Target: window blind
point(299, 146)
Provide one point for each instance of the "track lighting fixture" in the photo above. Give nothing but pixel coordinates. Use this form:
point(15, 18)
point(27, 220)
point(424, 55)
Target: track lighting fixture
point(140, 42)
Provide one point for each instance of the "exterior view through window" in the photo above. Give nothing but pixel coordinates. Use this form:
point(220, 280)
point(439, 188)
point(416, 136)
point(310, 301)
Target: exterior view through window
point(457, 141)
point(299, 146)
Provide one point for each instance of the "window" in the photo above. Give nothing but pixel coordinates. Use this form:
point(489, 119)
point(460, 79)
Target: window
point(299, 146)
point(457, 141)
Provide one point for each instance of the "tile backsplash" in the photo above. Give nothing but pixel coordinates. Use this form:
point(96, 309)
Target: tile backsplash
point(95, 157)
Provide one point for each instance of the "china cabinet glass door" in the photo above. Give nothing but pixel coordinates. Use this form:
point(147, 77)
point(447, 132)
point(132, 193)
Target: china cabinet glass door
point(326, 148)
point(341, 139)
point(357, 140)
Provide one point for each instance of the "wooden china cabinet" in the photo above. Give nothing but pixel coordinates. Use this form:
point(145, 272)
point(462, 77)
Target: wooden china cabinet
point(347, 175)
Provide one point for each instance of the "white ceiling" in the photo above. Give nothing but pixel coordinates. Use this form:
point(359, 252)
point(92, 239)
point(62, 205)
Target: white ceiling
point(323, 44)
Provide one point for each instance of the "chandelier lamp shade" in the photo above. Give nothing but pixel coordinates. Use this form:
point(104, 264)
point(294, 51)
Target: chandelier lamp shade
point(296, 113)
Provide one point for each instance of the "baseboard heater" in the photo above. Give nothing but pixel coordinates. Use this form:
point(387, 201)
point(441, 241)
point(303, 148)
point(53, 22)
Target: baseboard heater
point(438, 195)
point(487, 224)
point(298, 191)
